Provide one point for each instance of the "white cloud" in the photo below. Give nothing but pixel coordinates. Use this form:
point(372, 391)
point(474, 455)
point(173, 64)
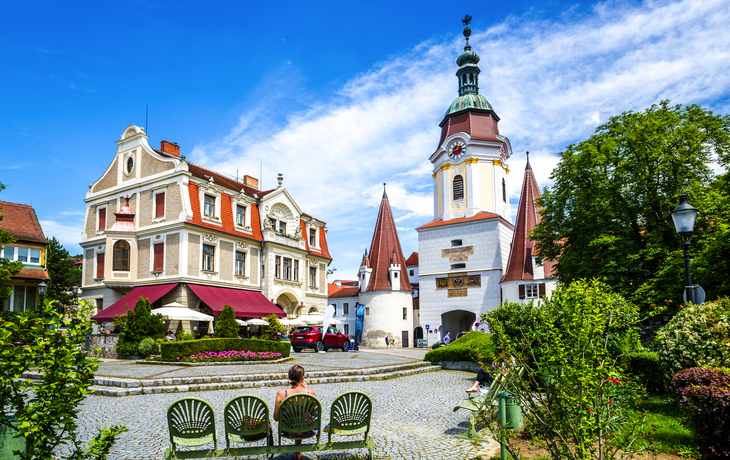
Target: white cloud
point(67, 233)
point(551, 82)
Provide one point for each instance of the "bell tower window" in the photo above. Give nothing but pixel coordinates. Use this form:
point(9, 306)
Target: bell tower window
point(458, 188)
point(504, 191)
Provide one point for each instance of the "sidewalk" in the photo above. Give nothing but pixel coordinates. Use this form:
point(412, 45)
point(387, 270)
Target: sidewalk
point(415, 353)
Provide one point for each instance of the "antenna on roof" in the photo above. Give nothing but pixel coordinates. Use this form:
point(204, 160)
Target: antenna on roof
point(146, 117)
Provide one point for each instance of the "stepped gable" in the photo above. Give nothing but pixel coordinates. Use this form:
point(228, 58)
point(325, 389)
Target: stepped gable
point(21, 222)
point(519, 266)
point(384, 247)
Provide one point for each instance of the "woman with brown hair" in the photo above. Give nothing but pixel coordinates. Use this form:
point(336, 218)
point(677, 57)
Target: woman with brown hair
point(298, 385)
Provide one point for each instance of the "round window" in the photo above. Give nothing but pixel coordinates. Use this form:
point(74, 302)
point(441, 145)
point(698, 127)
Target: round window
point(130, 164)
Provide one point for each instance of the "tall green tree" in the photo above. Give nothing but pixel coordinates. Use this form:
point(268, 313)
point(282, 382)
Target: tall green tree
point(63, 272)
point(7, 268)
point(274, 325)
point(608, 212)
point(226, 326)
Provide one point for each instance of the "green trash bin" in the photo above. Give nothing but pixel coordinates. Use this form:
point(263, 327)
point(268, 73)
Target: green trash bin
point(9, 443)
point(514, 414)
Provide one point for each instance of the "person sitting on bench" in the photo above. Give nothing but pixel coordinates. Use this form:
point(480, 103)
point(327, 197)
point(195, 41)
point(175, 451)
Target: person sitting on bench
point(298, 385)
point(484, 378)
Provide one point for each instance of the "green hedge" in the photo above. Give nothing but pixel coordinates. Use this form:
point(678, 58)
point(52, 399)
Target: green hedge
point(467, 348)
point(645, 366)
point(170, 351)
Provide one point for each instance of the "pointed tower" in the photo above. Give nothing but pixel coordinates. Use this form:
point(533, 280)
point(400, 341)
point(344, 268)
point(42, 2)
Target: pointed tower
point(385, 294)
point(524, 279)
point(386, 255)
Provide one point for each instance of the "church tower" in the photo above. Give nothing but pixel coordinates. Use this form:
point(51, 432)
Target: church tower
point(470, 164)
point(463, 252)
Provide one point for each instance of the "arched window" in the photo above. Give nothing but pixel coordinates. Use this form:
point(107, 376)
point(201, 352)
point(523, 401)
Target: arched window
point(504, 191)
point(121, 256)
point(458, 188)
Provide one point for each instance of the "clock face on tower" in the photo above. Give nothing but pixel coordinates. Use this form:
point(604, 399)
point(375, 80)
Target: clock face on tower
point(457, 149)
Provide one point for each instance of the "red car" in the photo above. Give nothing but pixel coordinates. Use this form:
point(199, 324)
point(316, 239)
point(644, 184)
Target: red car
point(311, 337)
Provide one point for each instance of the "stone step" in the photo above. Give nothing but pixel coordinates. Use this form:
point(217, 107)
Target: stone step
point(182, 388)
point(238, 378)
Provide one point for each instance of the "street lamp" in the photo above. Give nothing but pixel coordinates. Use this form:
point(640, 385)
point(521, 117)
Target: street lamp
point(684, 221)
point(42, 288)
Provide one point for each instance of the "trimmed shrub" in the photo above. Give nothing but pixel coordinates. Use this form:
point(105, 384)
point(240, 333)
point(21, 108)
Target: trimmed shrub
point(147, 347)
point(170, 351)
point(126, 348)
point(274, 325)
point(226, 327)
point(704, 395)
point(697, 336)
point(645, 367)
point(475, 346)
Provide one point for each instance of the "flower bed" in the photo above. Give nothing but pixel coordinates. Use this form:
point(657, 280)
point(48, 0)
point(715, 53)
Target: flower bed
point(230, 355)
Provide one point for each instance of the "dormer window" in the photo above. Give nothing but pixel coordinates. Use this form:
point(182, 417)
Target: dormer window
point(312, 237)
point(282, 227)
point(209, 206)
point(241, 216)
point(458, 188)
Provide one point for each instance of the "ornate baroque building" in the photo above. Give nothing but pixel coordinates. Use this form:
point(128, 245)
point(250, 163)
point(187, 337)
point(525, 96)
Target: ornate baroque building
point(161, 227)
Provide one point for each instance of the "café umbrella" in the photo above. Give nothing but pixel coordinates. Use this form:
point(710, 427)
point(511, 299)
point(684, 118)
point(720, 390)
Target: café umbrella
point(177, 312)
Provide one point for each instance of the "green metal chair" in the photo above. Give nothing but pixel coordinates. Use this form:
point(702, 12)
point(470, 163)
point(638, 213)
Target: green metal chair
point(300, 417)
point(191, 422)
point(350, 415)
point(246, 419)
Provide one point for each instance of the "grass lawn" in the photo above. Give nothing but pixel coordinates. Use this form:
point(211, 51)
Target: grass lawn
point(667, 431)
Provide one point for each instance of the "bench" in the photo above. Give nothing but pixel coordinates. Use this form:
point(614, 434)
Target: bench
point(481, 406)
point(191, 423)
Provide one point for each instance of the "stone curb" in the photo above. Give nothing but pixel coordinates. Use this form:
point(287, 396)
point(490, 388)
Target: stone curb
point(226, 363)
point(182, 388)
point(100, 382)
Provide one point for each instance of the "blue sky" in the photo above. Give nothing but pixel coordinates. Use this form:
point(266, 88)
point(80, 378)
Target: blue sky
point(338, 96)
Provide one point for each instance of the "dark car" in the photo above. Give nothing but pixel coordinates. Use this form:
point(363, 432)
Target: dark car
point(460, 335)
point(311, 337)
point(440, 343)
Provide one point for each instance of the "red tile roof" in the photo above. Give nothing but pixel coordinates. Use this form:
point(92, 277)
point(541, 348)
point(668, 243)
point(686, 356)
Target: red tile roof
point(332, 288)
point(345, 292)
point(21, 222)
point(412, 260)
point(32, 274)
point(440, 222)
point(323, 248)
point(479, 125)
point(227, 223)
point(519, 266)
point(384, 247)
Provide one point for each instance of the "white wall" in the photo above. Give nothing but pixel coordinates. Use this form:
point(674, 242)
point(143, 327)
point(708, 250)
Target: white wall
point(386, 317)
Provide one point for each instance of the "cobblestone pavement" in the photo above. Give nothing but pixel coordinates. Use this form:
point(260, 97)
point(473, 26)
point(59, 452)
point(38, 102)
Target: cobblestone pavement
point(412, 418)
point(310, 361)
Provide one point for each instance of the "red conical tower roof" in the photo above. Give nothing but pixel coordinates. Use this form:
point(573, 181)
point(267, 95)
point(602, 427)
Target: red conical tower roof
point(519, 266)
point(384, 248)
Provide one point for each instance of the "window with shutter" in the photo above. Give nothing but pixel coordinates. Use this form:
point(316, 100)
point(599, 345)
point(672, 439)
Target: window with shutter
point(100, 265)
point(159, 256)
point(102, 219)
point(458, 188)
point(542, 289)
point(120, 257)
point(160, 205)
point(522, 291)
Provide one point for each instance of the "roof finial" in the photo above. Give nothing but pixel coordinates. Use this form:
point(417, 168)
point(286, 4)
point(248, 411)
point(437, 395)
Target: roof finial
point(467, 30)
point(384, 194)
point(528, 160)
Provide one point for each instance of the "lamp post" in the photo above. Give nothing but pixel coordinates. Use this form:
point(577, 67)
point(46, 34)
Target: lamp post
point(42, 288)
point(684, 222)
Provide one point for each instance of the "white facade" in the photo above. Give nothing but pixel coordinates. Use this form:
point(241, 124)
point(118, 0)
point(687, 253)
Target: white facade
point(345, 311)
point(387, 313)
point(485, 246)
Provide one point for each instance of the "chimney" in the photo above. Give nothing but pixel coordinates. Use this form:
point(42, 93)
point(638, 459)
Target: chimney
point(251, 182)
point(338, 283)
point(168, 147)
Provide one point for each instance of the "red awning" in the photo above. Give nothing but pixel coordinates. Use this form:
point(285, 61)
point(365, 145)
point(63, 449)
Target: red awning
point(151, 293)
point(246, 304)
